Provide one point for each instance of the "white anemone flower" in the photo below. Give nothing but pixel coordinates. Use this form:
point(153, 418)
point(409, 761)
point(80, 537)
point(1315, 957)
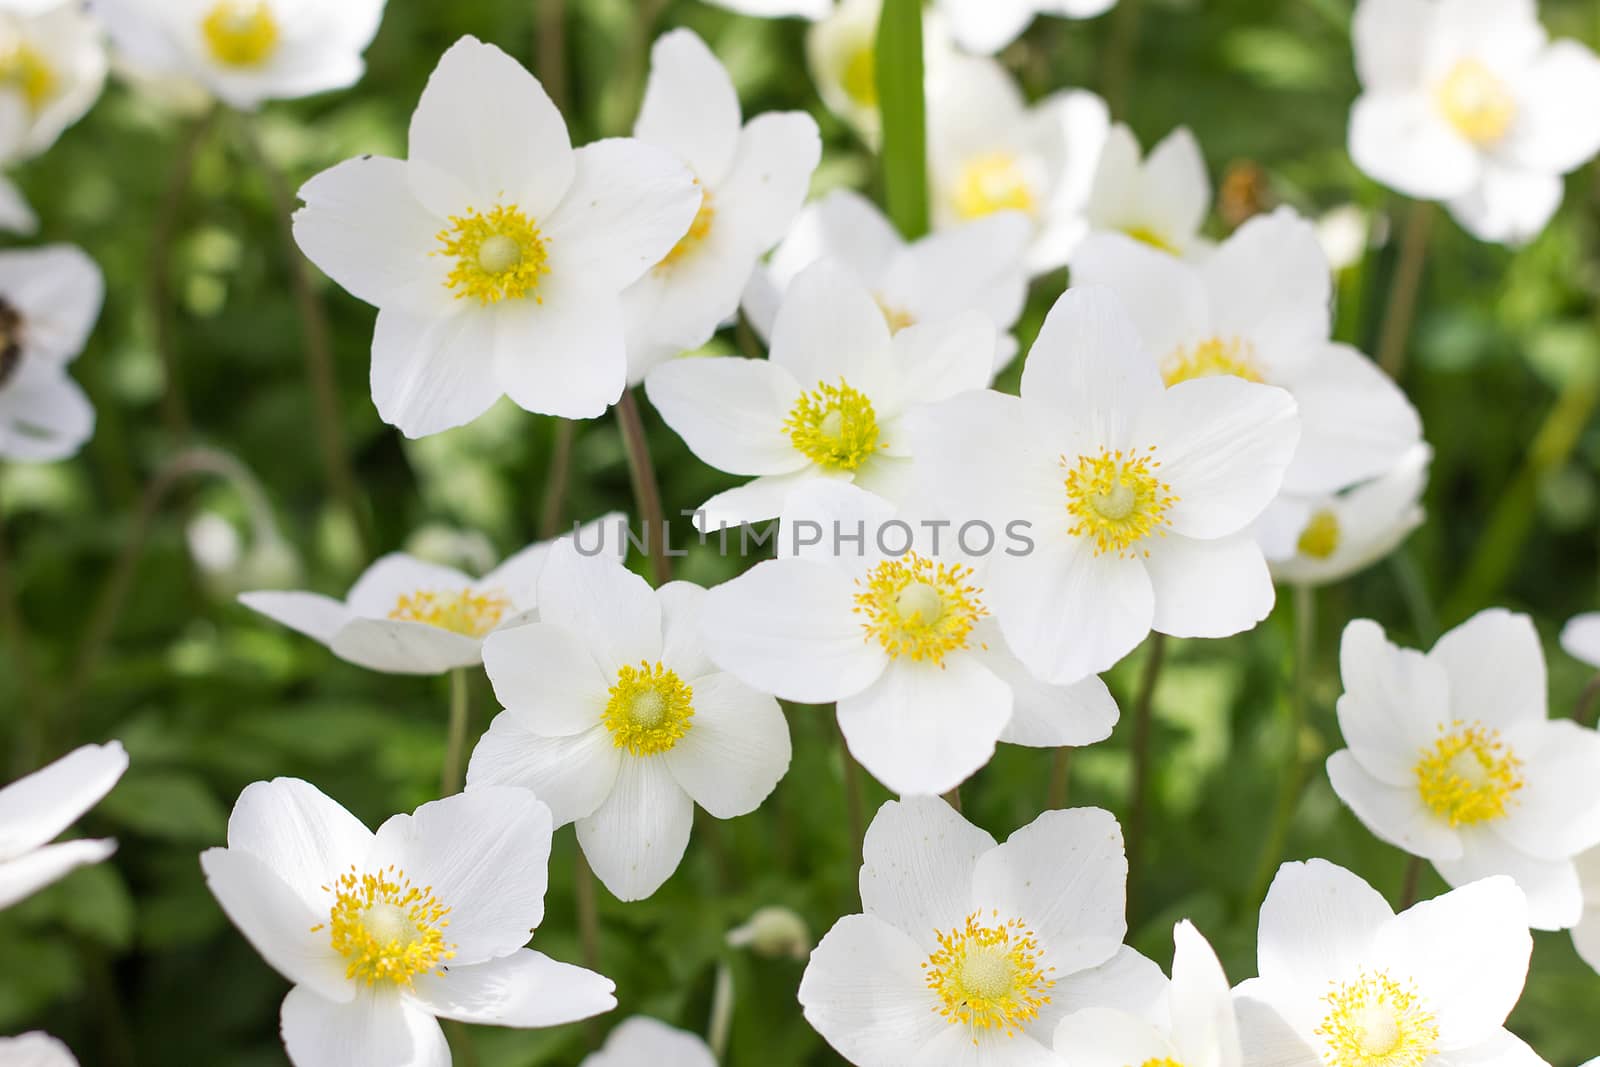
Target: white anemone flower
point(830, 403)
point(752, 180)
point(1580, 638)
point(37, 807)
point(1161, 200)
point(1138, 498)
point(989, 151)
point(50, 299)
point(1319, 540)
point(619, 721)
point(1259, 308)
point(970, 952)
point(246, 52)
point(1469, 102)
point(496, 254)
point(1586, 935)
point(892, 626)
point(645, 1042)
point(385, 933)
point(976, 266)
point(35, 1049)
point(982, 27)
point(1452, 757)
point(1345, 982)
point(1198, 1024)
point(408, 616)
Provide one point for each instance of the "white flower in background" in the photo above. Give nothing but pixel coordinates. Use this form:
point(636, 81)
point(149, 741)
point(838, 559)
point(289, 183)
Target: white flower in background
point(408, 616)
point(1469, 102)
point(775, 9)
point(497, 254)
point(35, 1050)
point(969, 952)
point(1199, 1026)
point(752, 181)
point(1318, 540)
point(645, 1042)
point(618, 720)
point(37, 807)
point(1259, 308)
point(50, 299)
point(828, 405)
point(1580, 638)
point(1586, 935)
point(1344, 233)
point(1452, 758)
point(903, 643)
point(1161, 200)
point(989, 152)
point(1345, 982)
point(383, 934)
point(976, 266)
point(841, 54)
point(774, 931)
point(246, 52)
point(1140, 498)
point(980, 26)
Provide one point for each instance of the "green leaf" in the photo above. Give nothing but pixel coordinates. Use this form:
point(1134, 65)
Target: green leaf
point(904, 106)
point(174, 807)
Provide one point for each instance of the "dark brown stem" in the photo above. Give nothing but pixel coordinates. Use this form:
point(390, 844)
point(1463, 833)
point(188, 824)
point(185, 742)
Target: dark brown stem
point(1142, 728)
point(14, 629)
point(164, 236)
point(558, 476)
point(1408, 892)
point(1060, 778)
point(1583, 711)
point(953, 798)
point(550, 48)
point(646, 488)
point(1395, 336)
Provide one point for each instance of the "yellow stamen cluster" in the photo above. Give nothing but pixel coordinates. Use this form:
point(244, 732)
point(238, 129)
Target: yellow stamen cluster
point(1162, 1061)
point(649, 709)
point(1376, 1022)
point(859, 79)
point(992, 183)
point(1210, 358)
point(1118, 499)
point(989, 976)
point(241, 33)
point(25, 70)
point(1468, 776)
point(834, 426)
point(699, 229)
point(1476, 102)
point(499, 256)
point(386, 928)
point(1154, 238)
point(461, 611)
point(1320, 539)
point(918, 607)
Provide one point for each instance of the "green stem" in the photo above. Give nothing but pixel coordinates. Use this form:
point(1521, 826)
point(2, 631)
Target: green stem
point(1583, 711)
point(721, 1012)
point(1402, 309)
point(1413, 882)
point(1143, 714)
point(1060, 776)
point(168, 220)
point(15, 631)
point(646, 487)
point(854, 797)
point(588, 907)
point(558, 476)
point(455, 752)
point(903, 105)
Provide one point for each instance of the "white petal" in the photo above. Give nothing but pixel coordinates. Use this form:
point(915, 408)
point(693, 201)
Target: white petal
point(35, 1049)
point(976, 266)
point(1208, 588)
point(15, 214)
point(378, 591)
point(1203, 1021)
point(778, 153)
point(44, 420)
point(399, 647)
point(982, 463)
point(918, 860)
point(1068, 613)
point(942, 360)
point(1556, 814)
point(642, 1040)
point(299, 833)
point(636, 839)
point(431, 375)
point(59, 291)
point(1400, 139)
point(1050, 716)
point(1554, 133)
point(690, 106)
point(38, 806)
point(573, 775)
point(1355, 423)
point(1090, 369)
point(1126, 982)
point(318, 617)
point(1555, 899)
point(1394, 702)
point(753, 502)
point(1508, 205)
point(1318, 923)
point(1165, 297)
point(730, 412)
point(1580, 637)
point(736, 750)
point(1270, 285)
point(1395, 814)
point(1391, 39)
point(1502, 1049)
point(828, 327)
point(546, 676)
point(1101, 1037)
point(843, 226)
point(566, 354)
point(682, 613)
point(984, 27)
point(865, 993)
point(613, 610)
point(30, 872)
point(1496, 668)
point(378, 1027)
point(1175, 186)
point(525, 989)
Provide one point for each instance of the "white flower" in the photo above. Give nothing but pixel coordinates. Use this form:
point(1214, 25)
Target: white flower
point(980, 26)
point(1162, 200)
point(752, 180)
point(1345, 982)
point(49, 300)
point(1344, 232)
point(1452, 758)
point(383, 934)
point(902, 642)
point(616, 718)
point(408, 616)
point(969, 952)
point(246, 52)
point(1318, 540)
point(976, 266)
point(774, 931)
point(38, 806)
point(773, 9)
point(989, 152)
point(1586, 935)
point(1138, 498)
point(1198, 1025)
point(35, 1050)
point(1259, 308)
point(1580, 638)
point(1469, 102)
point(496, 255)
point(645, 1042)
point(829, 405)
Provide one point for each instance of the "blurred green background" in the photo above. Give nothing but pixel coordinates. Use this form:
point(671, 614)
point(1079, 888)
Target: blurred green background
point(132, 962)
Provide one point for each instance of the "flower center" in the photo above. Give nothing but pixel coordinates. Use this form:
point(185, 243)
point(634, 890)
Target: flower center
point(1376, 1022)
point(1469, 775)
point(648, 710)
point(499, 256)
point(24, 70)
point(834, 426)
point(991, 183)
point(1476, 102)
point(698, 230)
point(1320, 538)
point(386, 928)
point(1153, 238)
point(897, 318)
point(1163, 1061)
point(918, 607)
point(860, 77)
point(461, 611)
point(1117, 499)
point(989, 977)
point(241, 33)
point(10, 342)
point(1210, 358)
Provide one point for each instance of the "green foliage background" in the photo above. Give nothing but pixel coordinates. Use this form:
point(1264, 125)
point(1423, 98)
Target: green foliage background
point(133, 963)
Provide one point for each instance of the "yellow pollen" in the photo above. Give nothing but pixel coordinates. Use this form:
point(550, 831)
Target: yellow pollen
point(1118, 499)
point(386, 928)
point(989, 976)
point(1468, 776)
point(25, 70)
point(1476, 102)
point(1210, 358)
point(991, 183)
point(499, 256)
point(461, 611)
point(834, 426)
point(860, 77)
point(241, 33)
point(1164, 1061)
point(1320, 538)
point(648, 710)
point(918, 607)
point(897, 318)
point(1153, 238)
point(1376, 1022)
point(698, 230)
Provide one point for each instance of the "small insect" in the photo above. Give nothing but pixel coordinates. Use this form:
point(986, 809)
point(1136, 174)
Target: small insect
point(10, 342)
